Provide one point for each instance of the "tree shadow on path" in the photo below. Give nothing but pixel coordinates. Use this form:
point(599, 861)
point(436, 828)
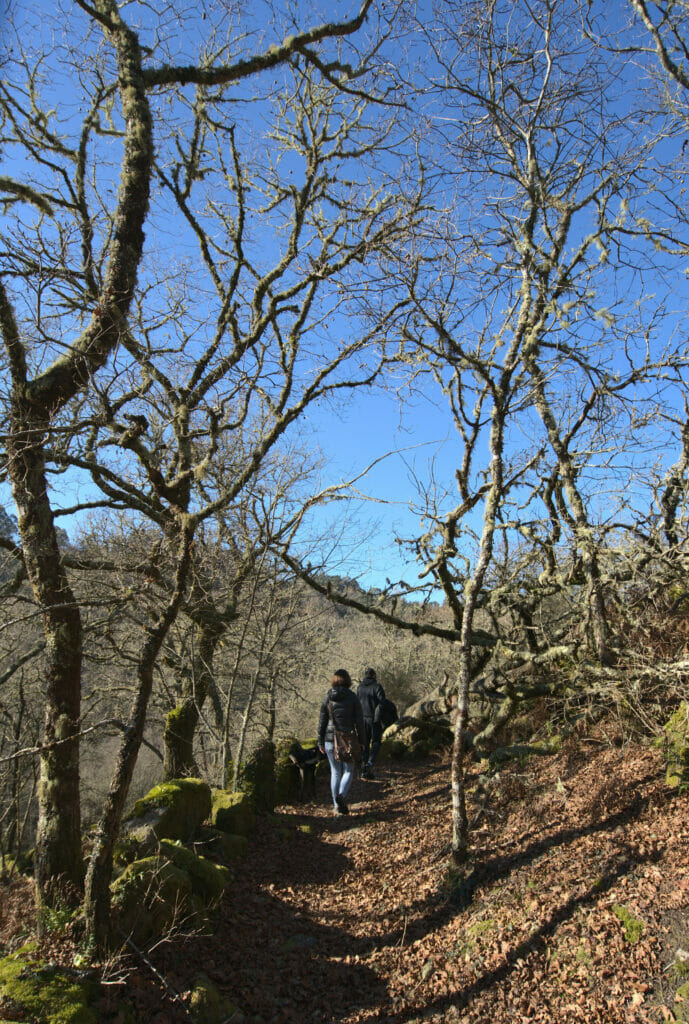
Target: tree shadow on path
point(267, 953)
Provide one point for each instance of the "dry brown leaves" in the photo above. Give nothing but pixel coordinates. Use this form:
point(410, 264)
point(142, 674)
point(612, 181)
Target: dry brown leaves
point(358, 922)
point(351, 920)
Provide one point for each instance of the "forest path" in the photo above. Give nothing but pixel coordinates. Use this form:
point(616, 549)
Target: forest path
point(343, 920)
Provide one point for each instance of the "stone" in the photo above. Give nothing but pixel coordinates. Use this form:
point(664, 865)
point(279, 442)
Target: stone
point(676, 748)
point(232, 812)
point(207, 879)
point(414, 739)
point(523, 751)
point(172, 810)
point(150, 897)
point(221, 845)
point(208, 1006)
point(286, 774)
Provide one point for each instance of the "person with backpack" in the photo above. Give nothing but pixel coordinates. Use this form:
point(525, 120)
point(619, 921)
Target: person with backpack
point(371, 694)
point(341, 736)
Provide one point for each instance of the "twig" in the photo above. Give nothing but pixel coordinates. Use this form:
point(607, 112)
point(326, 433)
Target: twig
point(122, 726)
point(172, 993)
point(404, 933)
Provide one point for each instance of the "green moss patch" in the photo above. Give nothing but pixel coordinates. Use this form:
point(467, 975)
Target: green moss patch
point(209, 1006)
point(633, 927)
point(482, 927)
point(676, 746)
point(33, 990)
point(681, 1007)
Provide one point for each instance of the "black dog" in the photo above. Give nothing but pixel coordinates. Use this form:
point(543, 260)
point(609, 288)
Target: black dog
point(306, 762)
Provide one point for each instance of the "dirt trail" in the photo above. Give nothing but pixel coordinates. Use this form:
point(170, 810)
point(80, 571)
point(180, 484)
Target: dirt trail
point(345, 920)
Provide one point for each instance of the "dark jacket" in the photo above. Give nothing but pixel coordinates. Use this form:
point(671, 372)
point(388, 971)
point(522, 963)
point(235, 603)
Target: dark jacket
point(371, 694)
point(347, 715)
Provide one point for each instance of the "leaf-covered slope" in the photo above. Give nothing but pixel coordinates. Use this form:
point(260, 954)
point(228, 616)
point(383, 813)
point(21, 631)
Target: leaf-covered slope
point(570, 912)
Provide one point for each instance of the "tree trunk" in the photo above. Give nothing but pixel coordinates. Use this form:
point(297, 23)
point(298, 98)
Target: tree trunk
point(59, 865)
point(178, 739)
point(582, 529)
point(272, 709)
point(460, 829)
point(97, 902)
point(246, 718)
point(181, 722)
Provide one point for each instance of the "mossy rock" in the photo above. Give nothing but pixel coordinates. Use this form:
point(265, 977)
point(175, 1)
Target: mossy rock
point(676, 746)
point(207, 879)
point(32, 990)
point(232, 812)
point(128, 849)
point(256, 777)
point(150, 896)
point(209, 1006)
point(393, 748)
point(222, 845)
point(172, 810)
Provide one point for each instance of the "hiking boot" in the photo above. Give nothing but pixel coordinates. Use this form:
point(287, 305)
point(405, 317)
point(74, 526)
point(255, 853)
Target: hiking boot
point(342, 806)
point(365, 772)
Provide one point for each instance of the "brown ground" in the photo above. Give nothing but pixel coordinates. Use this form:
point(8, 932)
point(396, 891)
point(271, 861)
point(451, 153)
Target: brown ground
point(354, 919)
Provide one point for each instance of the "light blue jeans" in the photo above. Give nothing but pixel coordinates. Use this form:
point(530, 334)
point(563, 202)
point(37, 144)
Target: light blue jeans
point(341, 774)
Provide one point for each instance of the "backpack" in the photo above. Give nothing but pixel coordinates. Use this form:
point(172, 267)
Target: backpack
point(346, 746)
point(386, 713)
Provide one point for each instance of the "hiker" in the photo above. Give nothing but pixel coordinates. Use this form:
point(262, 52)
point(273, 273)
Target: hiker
point(340, 711)
point(371, 694)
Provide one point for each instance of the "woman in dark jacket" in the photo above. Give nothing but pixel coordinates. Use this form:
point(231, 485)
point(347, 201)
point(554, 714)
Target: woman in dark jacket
point(342, 708)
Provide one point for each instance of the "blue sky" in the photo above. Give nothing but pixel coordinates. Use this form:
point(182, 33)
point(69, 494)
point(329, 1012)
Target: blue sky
point(372, 425)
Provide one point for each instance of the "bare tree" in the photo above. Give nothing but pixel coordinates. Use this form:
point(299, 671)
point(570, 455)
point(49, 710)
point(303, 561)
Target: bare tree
point(77, 299)
point(518, 305)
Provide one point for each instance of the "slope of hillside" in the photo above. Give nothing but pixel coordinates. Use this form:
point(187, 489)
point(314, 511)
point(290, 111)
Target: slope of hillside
point(573, 908)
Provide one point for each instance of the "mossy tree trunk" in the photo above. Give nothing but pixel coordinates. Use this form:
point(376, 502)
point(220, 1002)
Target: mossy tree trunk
point(181, 722)
point(99, 874)
point(59, 866)
point(32, 405)
point(466, 611)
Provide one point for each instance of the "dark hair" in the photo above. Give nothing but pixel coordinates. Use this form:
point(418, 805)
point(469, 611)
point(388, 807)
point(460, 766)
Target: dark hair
point(344, 677)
